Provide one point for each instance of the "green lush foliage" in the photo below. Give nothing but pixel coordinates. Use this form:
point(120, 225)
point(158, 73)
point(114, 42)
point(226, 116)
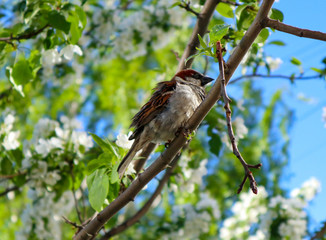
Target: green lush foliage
point(73, 73)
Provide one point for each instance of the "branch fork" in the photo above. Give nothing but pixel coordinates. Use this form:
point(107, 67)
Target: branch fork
point(227, 100)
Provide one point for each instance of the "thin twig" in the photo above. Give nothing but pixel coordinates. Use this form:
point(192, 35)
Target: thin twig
point(291, 78)
point(176, 54)
point(23, 36)
point(83, 201)
point(230, 2)
point(74, 193)
point(300, 32)
point(227, 100)
point(186, 5)
point(12, 175)
point(75, 225)
point(8, 190)
point(206, 65)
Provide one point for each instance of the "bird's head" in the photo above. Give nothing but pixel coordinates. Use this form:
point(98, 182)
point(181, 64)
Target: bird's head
point(194, 77)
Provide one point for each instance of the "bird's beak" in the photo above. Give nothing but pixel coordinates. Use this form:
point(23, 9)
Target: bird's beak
point(204, 80)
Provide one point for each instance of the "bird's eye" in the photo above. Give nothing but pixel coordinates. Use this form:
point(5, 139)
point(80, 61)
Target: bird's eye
point(196, 75)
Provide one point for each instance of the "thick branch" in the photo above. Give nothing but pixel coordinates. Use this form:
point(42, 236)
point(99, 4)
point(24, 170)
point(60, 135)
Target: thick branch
point(140, 162)
point(163, 161)
point(23, 36)
point(134, 219)
point(300, 32)
point(321, 233)
point(200, 28)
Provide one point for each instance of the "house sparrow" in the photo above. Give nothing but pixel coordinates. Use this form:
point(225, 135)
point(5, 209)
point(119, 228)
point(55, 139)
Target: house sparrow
point(169, 108)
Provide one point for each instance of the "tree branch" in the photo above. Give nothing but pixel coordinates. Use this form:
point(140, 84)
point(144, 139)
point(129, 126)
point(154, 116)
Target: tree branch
point(201, 27)
point(186, 5)
point(300, 32)
point(4, 177)
point(23, 36)
point(231, 3)
point(92, 228)
point(275, 76)
point(236, 152)
point(321, 233)
point(8, 190)
point(140, 162)
point(134, 219)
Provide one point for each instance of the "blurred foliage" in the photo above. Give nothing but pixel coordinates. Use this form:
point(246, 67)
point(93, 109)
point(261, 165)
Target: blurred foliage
point(97, 61)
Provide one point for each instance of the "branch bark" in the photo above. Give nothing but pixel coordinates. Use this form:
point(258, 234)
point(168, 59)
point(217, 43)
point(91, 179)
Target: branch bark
point(163, 161)
point(200, 28)
point(234, 80)
point(300, 32)
point(23, 36)
point(131, 221)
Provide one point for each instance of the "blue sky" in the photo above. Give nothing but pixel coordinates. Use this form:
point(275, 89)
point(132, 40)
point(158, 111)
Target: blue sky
point(308, 135)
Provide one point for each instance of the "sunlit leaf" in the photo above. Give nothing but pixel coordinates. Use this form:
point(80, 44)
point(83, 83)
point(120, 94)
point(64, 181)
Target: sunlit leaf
point(225, 10)
point(98, 187)
point(295, 61)
point(218, 32)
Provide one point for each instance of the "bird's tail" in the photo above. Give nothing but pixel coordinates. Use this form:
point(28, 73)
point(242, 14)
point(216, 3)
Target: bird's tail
point(127, 159)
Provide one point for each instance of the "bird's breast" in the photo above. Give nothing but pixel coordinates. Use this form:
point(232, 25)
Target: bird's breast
point(180, 107)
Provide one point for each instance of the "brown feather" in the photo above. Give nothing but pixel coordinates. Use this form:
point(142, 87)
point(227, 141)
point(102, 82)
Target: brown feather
point(154, 106)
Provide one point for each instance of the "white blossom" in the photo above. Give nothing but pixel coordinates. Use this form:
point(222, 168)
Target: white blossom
point(274, 63)
point(51, 57)
point(324, 115)
point(123, 140)
point(52, 178)
point(241, 129)
point(69, 50)
point(130, 170)
point(308, 190)
point(10, 141)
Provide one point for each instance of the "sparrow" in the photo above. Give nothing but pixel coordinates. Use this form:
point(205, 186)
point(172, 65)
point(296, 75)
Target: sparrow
point(171, 105)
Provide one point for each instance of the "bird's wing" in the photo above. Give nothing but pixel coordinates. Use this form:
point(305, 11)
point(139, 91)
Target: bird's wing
point(154, 106)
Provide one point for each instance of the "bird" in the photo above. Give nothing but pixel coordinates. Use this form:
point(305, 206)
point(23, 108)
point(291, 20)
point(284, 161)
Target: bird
point(171, 105)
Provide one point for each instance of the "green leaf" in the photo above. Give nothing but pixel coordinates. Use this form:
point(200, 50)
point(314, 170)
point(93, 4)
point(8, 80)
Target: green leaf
point(58, 21)
point(277, 15)
point(277, 42)
point(193, 56)
point(218, 32)
point(114, 191)
point(262, 37)
point(82, 15)
point(21, 72)
point(202, 43)
point(106, 146)
point(18, 88)
point(175, 4)
point(104, 159)
point(239, 9)
point(295, 61)
point(317, 70)
point(215, 144)
point(114, 176)
point(98, 187)
point(225, 10)
point(75, 31)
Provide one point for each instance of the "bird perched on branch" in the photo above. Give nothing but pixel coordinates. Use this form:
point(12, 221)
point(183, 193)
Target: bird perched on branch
point(169, 108)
